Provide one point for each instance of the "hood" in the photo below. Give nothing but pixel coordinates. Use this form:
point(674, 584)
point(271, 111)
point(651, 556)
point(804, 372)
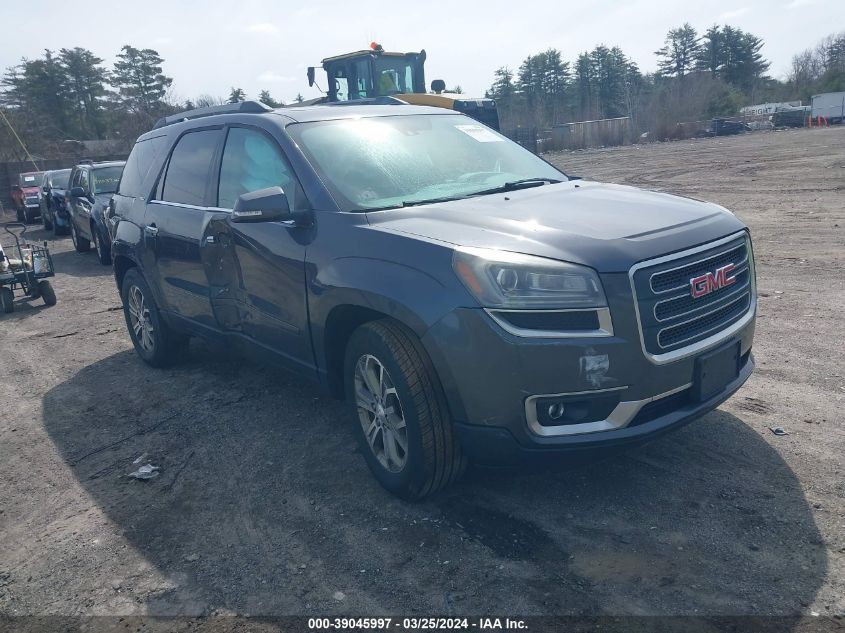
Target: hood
point(607, 227)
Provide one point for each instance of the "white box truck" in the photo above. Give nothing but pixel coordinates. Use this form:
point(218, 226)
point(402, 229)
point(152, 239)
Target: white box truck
point(830, 105)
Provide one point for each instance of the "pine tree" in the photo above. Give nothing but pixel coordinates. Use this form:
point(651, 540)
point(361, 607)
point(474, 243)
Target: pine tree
point(138, 77)
point(678, 55)
point(265, 98)
point(236, 95)
point(86, 86)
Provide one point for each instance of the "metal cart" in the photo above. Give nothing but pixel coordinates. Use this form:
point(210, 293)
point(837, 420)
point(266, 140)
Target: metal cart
point(25, 267)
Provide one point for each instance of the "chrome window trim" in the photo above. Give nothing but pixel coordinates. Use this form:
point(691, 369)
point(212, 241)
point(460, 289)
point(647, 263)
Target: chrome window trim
point(690, 252)
point(605, 324)
point(710, 341)
point(619, 418)
point(180, 205)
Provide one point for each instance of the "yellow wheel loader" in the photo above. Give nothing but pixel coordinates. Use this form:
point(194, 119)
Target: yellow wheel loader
point(374, 73)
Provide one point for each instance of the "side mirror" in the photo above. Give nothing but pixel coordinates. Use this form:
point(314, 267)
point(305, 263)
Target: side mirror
point(310, 76)
point(77, 192)
point(264, 205)
point(438, 86)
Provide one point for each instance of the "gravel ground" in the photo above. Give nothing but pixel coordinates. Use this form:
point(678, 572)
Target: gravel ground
point(263, 506)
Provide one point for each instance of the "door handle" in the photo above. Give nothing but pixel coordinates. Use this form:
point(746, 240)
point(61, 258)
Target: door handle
point(151, 230)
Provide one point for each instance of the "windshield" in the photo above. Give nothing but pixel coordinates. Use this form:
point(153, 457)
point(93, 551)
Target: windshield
point(30, 180)
point(59, 179)
point(105, 180)
point(379, 162)
point(394, 75)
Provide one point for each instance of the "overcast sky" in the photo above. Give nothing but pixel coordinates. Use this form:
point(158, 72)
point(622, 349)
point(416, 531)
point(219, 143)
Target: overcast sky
point(211, 45)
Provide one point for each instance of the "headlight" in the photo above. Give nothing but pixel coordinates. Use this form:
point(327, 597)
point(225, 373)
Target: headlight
point(500, 279)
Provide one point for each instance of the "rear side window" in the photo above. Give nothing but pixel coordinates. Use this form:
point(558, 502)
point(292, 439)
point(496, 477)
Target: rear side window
point(189, 168)
point(252, 161)
point(138, 165)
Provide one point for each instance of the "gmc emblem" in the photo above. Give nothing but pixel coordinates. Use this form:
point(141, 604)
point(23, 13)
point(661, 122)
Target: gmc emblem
point(708, 282)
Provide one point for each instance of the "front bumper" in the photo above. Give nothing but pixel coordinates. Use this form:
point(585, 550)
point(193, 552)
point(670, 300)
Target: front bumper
point(500, 446)
point(490, 377)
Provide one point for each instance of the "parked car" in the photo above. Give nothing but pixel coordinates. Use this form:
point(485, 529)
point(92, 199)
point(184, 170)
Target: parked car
point(468, 299)
point(54, 213)
point(725, 127)
point(28, 203)
point(91, 187)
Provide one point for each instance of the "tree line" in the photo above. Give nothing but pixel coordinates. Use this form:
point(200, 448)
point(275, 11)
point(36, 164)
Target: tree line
point(71, 95)
point(698, 76)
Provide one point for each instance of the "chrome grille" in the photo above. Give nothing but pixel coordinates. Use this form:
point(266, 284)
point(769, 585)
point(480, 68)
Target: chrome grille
point(670, 318)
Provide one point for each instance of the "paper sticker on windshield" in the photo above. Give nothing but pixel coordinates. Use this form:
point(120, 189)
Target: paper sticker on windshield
point(480, 133)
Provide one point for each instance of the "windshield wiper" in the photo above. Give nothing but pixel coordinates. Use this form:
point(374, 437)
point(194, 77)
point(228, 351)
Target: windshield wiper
point(414, 203)
point(514, 185)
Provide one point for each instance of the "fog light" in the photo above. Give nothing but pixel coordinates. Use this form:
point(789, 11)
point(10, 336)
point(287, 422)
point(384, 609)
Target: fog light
point(556, 410)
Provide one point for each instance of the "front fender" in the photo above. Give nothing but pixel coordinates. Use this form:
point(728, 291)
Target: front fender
point(411, 296)
point(362, 288)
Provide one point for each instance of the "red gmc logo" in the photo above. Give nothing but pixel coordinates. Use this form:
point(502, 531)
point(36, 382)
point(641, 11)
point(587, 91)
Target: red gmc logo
point(708, 282)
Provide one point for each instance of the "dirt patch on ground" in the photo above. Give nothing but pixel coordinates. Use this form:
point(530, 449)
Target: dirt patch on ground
point(263, 506)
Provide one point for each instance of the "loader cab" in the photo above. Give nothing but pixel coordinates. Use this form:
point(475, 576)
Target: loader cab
point(373, 73)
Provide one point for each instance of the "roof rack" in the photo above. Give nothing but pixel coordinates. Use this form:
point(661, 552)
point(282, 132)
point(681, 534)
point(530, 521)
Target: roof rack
point(367, 101)
point(242, 107)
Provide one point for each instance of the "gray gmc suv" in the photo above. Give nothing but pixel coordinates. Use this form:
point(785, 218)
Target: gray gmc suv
point(468, 299)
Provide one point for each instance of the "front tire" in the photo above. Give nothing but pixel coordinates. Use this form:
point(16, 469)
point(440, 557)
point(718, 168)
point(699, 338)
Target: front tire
point(7, 300)
point(401, 420)
point(156, 342)
point(21, 215)
point(103, 251)
point(79, 243)
point(45, 290)
point(48, 224)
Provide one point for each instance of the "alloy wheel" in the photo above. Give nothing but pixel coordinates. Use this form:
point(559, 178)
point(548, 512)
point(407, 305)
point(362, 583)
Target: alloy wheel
point(139, 317)
point(380, 413)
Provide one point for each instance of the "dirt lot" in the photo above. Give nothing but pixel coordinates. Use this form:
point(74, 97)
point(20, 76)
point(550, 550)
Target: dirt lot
point(264, 507)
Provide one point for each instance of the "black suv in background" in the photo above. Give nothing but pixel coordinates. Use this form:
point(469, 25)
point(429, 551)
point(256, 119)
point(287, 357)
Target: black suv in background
point(54, 213)
point(467, 298)
point(90, 188)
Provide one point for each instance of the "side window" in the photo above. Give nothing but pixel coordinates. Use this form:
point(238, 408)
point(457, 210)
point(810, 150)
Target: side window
point(189, 168)
point(138, 165)
point(253, 161)
point(83, 179)
point(362, 79)
point(341, 83)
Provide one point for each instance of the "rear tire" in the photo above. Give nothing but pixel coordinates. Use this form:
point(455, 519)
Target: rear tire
point(7, 300)
point(157, 343)
point(103, 251)
point(79, 243)
point(45, 289)
point(383, 357)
